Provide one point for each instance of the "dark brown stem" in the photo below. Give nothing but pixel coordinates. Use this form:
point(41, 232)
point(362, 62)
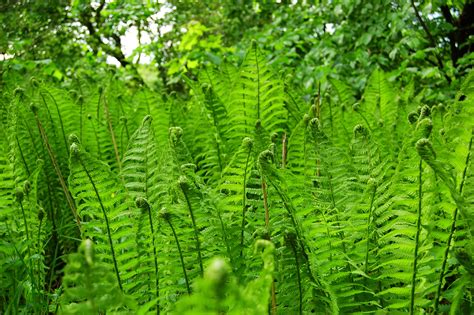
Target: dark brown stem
point(431, 39)
point(462, 30)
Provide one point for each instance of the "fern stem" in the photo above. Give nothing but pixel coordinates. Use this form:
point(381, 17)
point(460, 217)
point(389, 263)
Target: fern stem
point(81, 127)
point(112, 135)
point(28, 269)
point(299, 235)
point(216, 126)
point(22, 155)
point(98, 103)
point(196, 232)
point(188, 288)
point(258, 81)
point(155, 258)
point(109, 233)
point(96, 137)
point(53, 129)
point(298, 277)
point(64, 187)
point(26, 227)
point(244, 206)
point(224, 236)
point(365, 119)
point(243, 108)
point(328, 234)
point(53, 267)
point(341, 233)
point(369, 217)
point(417, 238)
point(39, 250)
point(333, 201)
point(451, 233)
point(274, 303)
point(121, 142)
point(126, 130)
point(265, 204)
point(267, 224)
point(30, 133)
point(317, 101)
point(59, 116)
point(284, 150)
point(54, 237)
point(150, 219)
point(51, 208)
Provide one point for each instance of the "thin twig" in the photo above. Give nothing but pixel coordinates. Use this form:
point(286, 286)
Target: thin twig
point(431, 38)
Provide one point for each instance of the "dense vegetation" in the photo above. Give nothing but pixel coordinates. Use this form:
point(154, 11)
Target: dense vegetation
point(271, 166)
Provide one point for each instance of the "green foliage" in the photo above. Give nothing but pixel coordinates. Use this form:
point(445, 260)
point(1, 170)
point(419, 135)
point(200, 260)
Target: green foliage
point(115, 200)
point(89, 288)
point(223, 294)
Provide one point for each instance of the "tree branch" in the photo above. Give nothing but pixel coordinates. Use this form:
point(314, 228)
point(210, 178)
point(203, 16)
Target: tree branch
point(431, 39)
point(96, 41)
point(463, 28)
point(452, 38)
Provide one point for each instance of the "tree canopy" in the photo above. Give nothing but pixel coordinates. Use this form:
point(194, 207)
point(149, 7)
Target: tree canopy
point(431, 40)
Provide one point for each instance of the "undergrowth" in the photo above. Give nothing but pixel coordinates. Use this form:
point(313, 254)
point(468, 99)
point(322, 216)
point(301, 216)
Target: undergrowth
point(243, 198)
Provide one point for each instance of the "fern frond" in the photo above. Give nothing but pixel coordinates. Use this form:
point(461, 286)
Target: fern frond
point(105, 211)
point(90, 287)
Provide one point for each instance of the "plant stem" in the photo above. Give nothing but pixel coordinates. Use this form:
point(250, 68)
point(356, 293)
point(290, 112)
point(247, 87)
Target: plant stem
point(196, 232)
point(26, 227)
point(284, 150)
point(258, 81)
point(28, 245)
point(157, 279)
point(180, 256)
point(22, 155)
point(112, 134)
point(417, 238)
point(39, 250)
point(298, 277)
point(267, 224)
point(244, 205)
point(265, 204)
point(64, 187)
point(109, 233)
point(451, 233)
point(99, 151)
point(369, 217)
point(81, 127)
point(59, 116)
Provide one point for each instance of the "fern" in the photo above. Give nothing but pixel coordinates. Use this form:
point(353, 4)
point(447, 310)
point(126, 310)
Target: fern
point(222, 293)
point(84, 294)
point(105, 212)
point(354, 204)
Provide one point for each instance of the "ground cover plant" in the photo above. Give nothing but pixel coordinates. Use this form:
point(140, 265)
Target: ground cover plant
point(237, 188)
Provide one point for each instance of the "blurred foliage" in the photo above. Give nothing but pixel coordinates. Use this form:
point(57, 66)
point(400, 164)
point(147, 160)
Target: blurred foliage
point(430, 41)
